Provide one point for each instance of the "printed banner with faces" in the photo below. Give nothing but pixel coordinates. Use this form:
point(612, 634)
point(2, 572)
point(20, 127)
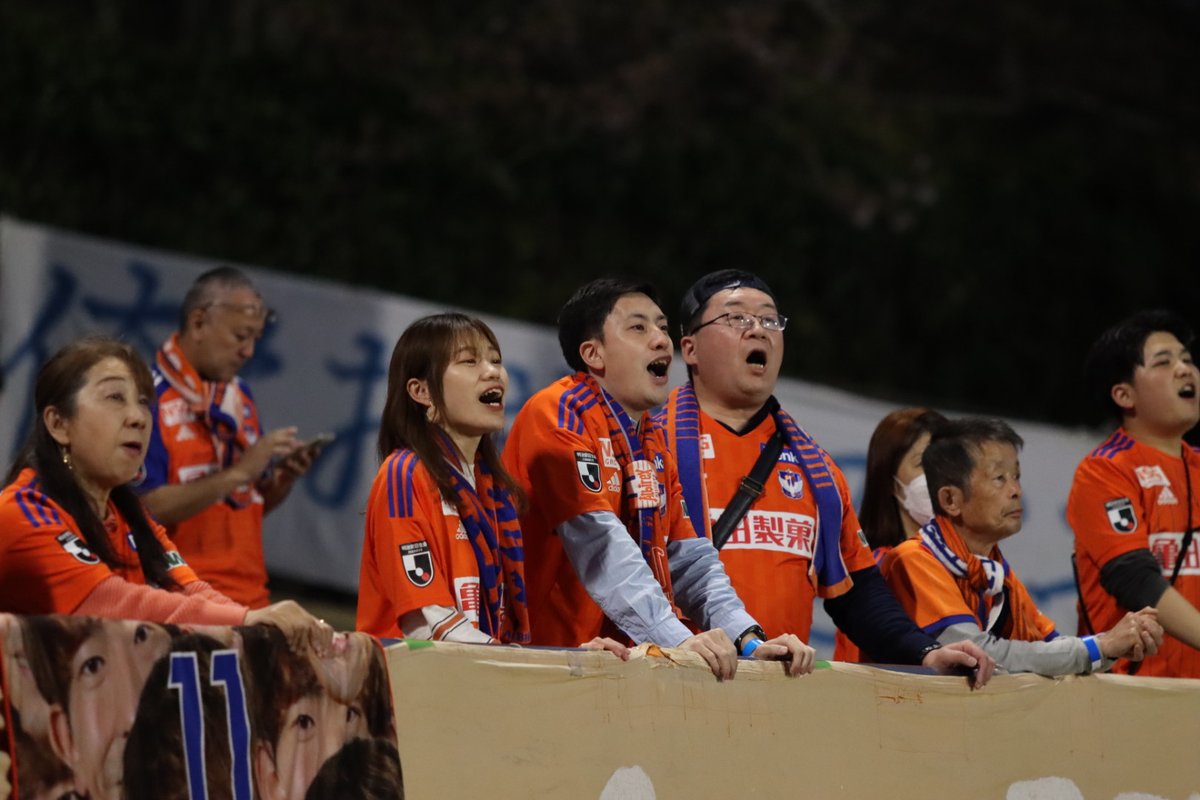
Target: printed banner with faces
point(107, 709)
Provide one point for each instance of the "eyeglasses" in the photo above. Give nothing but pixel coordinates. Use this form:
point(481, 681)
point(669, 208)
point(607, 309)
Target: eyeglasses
point(741, 322)
point(256, 311)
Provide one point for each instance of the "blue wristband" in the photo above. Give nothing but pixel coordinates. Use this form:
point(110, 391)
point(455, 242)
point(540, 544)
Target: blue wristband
point(1093, 649)
point(749, 647)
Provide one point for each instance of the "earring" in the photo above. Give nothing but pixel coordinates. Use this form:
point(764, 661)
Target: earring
point(66, 457)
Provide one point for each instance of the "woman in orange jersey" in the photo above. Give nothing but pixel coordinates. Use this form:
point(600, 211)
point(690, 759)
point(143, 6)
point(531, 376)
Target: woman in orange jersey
point(74, 537)
point(896, 500)
point(443, 557)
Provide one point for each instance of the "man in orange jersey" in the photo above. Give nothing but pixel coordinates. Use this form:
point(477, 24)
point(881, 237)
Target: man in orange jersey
point(608, 544)
point(207, 476)
point(1135, 501)
point(956, 584)
point(800, 537)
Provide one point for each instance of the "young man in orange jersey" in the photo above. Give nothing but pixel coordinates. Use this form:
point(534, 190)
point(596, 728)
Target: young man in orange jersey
point(801, 537)
point(1135, 501)
point(956, 584)
point(206, 476)
point(608, 544)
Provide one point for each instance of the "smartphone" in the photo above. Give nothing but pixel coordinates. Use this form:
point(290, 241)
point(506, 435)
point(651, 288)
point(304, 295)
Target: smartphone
point(318, 443)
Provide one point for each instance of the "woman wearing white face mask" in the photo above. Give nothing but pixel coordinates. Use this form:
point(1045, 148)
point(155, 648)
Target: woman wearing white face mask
point(896, 501)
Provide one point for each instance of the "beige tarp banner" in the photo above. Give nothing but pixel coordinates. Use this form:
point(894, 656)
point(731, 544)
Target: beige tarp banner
point(504, 722)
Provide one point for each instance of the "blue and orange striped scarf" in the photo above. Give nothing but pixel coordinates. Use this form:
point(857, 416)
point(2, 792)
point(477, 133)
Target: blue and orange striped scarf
point(220, 406)
point(681, 416)
point(632, 442)
point(489, 517)
point(979, 575)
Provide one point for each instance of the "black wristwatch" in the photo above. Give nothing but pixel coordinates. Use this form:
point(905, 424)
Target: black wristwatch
point(754, 630)
point(929, 648)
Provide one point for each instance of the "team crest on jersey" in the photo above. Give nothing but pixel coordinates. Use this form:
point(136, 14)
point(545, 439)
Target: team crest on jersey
point(418, 563)
point(588, 467)
point(792, 483)
point(76, 547)
point(606, 453)
point(1120, 515)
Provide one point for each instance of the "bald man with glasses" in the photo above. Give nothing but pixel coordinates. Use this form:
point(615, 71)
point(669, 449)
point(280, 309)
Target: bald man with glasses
point(792, 534)
point(208, 476)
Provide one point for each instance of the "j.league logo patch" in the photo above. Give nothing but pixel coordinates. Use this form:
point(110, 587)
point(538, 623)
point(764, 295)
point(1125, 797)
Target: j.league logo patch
point(76, 547)
point(588, 467)
point(1120, 515)
point(418, 563)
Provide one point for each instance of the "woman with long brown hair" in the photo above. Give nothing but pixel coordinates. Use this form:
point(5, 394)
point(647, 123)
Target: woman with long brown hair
point(74, 537)
point(443, 557)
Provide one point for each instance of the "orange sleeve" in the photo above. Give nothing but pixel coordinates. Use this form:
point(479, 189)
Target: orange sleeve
point(199, 588)
point(550, 462)
point(45, 567)
point(1105, 510)
point(405, 556)
point(927, 591)
point(117, 598)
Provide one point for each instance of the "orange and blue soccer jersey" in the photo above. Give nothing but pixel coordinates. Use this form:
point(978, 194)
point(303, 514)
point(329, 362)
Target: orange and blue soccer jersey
point(936, 600)
point(416, 552)
point(769, 553)
point(566, 464)
point(45, 564)
point(223, 543)
point(1129, 496)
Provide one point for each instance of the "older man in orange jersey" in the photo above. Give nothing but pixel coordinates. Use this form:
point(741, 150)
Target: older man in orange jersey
point(208, 476)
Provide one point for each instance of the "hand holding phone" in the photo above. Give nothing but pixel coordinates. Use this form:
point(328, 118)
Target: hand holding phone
point(317, 444)
point(302, 457)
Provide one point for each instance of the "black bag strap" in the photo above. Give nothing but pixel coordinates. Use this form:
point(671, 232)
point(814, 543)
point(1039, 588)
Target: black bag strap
point(1186, 544)
point(748, 491)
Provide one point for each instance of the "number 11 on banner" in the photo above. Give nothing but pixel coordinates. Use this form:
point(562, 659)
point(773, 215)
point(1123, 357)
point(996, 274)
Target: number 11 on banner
point(185, 677)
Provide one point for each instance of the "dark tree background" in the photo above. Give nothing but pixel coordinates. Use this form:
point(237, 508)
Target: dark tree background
point(951, 199)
